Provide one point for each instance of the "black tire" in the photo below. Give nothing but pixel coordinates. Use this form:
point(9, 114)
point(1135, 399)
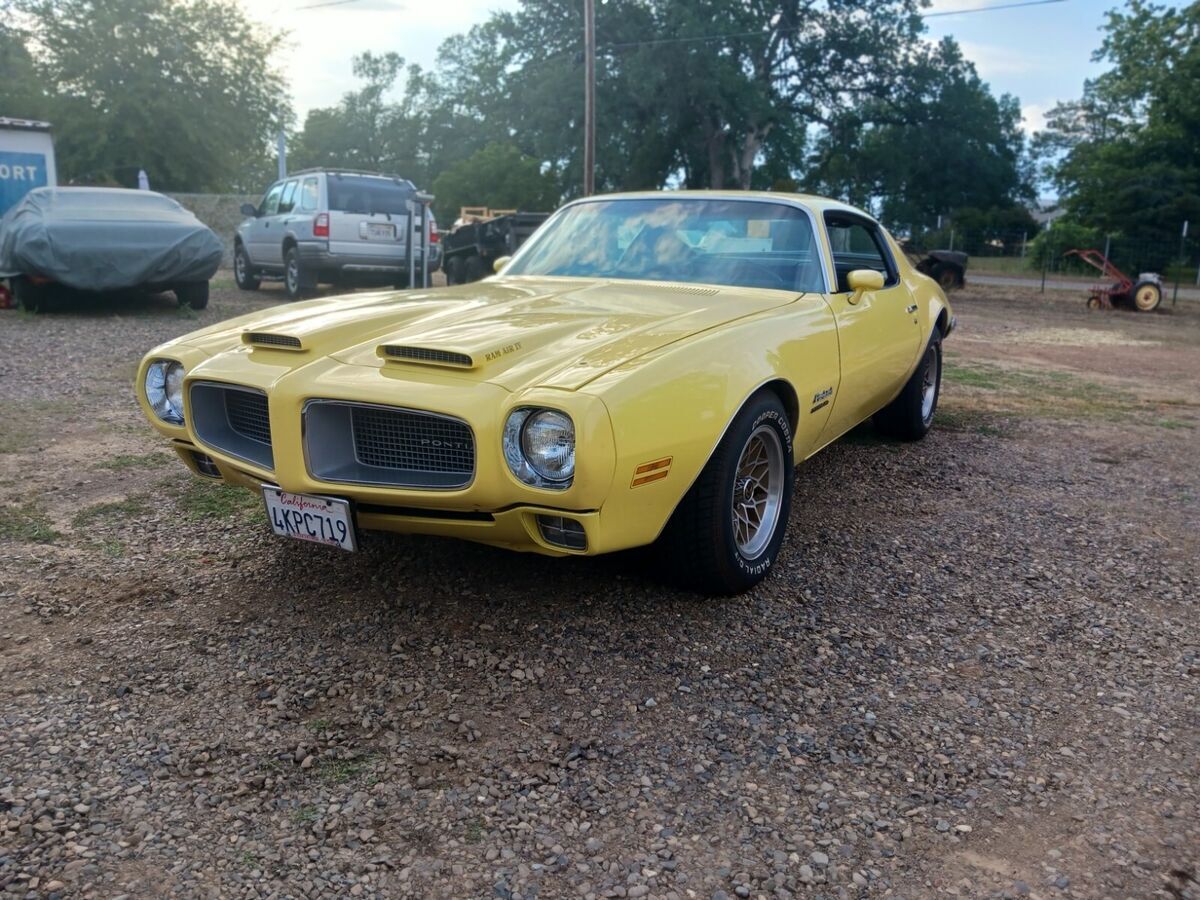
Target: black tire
point(296, 281)
point(1145, 296)
point(193, 294)
point(949, 277)
point(29, 296)
point(454, 270)
point(702, 543)
point(473, 269)
point(907, 418)
point(243, 273)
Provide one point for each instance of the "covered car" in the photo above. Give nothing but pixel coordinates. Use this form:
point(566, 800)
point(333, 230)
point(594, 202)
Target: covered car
point(106, 239)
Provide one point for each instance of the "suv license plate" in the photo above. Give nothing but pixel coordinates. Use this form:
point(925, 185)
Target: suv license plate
point(321, 520)
point(378, 232)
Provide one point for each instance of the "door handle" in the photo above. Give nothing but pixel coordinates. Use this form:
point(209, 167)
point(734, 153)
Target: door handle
point(912, 309)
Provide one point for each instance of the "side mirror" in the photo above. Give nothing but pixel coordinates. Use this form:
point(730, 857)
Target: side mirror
point(500, 263)
point(250, 210)
point(861, 280)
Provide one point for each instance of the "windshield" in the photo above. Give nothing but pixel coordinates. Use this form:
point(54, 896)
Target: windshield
point(366, 195)
point(732, 242)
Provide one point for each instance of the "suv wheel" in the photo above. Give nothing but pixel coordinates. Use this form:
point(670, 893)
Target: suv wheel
point(243, 273)
point(296, 281)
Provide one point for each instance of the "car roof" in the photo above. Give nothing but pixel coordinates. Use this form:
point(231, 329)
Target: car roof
point(813, 201)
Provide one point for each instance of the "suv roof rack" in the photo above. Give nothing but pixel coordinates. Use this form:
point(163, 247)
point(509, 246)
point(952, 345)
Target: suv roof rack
point(338, 170)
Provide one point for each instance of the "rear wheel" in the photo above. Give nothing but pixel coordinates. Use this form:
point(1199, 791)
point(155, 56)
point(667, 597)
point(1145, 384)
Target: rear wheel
point(948, 277)
point(454, 270)
point(910, 416)
point(243, 272)
point(726, 533)
point(193, 294)
point(473, 269)
point(296, 282)
point(1147, 295)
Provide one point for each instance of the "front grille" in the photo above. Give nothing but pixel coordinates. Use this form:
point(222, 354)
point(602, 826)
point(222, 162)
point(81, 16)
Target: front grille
point(247, 415)
point(233, 420)
point(400, 439)
point(263, 339)
point(425, 354)
point(361, 443)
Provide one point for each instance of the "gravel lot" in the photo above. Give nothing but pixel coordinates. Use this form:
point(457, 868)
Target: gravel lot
point(974, 672)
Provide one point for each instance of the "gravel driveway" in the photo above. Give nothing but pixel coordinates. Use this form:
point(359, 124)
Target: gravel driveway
point(973, 673)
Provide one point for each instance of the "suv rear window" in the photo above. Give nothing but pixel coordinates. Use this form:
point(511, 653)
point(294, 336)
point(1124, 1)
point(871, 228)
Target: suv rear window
point(365, 195)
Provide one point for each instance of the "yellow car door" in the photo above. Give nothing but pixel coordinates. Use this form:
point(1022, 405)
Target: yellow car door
point(878, 330)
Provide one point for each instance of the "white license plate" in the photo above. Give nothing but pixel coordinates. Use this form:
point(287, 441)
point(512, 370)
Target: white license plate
point(378, 232)
point(321, 520)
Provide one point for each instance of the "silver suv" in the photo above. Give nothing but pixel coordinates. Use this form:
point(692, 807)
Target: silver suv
point(332, 226)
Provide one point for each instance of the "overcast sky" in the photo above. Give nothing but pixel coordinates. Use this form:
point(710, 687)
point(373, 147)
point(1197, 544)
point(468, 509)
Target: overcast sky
point(1040, 53)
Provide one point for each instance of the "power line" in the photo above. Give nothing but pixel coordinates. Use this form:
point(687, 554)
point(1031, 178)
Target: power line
point(746, 34)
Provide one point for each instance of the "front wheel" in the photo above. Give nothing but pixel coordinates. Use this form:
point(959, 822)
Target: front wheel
point(726, 533)
point(910, 416)
point(30, 296)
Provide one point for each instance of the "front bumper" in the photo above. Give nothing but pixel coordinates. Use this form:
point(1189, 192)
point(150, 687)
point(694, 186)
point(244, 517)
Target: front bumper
point(494, 508)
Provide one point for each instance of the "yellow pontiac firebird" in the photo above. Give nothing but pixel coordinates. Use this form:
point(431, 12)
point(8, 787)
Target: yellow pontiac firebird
point(648, 367)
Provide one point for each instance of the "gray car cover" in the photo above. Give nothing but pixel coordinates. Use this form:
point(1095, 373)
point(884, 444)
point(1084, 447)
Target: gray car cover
point(105, 239)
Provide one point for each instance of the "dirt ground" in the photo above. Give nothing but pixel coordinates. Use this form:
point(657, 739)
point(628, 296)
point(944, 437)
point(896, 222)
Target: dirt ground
point(973, 672)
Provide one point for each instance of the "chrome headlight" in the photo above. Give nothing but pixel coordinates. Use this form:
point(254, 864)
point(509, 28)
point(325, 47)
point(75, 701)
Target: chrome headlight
point(539, 447)
point(164, 390)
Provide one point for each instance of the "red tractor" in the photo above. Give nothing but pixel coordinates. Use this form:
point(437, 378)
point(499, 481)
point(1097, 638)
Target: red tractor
point(1144, 295)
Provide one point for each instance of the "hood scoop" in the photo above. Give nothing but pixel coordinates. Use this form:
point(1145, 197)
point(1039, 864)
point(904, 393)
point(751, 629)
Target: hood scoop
point(426, 356)
point(273, 341)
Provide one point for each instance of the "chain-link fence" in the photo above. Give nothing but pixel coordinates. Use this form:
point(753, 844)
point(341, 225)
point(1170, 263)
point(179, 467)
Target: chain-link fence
point(1045, 256)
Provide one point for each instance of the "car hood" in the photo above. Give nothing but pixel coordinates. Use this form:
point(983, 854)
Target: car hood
point(514, 332)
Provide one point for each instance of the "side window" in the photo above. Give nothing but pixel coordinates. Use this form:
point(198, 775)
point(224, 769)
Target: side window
point(270, 204)
point(858, 245)
point(288, 200)
point(308, 195)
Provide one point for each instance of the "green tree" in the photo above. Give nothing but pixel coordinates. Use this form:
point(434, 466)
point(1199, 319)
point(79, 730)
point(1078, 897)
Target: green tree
point(1124, 156)
point(499, 176)
point(941, 145)
point(21, 93)
point(181, 89)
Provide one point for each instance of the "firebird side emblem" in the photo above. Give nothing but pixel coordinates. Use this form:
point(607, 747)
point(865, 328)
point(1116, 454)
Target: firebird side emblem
point(821, 399)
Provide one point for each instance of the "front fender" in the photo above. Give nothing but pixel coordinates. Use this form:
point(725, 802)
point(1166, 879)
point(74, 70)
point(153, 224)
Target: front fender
point(670, 409)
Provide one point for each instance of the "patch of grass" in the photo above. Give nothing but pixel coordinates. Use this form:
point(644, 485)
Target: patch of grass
point(340, 771)
point(319, 726)
point(111, 548)
point(1174, 424)
point(126, 461)
point(26, 523)
point(25, 421)
point(129, 508)
point(248, 859)
point(967, 420)
point(474, 833)
point(1036, 392)
point(305, 815)
point(204, 500)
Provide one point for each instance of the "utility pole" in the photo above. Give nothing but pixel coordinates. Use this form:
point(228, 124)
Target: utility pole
point(589, 97)
point(281, 147)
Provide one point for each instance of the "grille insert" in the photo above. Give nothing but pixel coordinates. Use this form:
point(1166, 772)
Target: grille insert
point(262, 339)
point(247, 415)
point(427, 355)
point(399, 439)
point(361, 443)
point(233, 420)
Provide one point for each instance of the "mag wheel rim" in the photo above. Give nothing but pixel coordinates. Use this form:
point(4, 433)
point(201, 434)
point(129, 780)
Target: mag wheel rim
point(239, 265)
point(758, 491)
point(929, 385)
point(293, 277)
